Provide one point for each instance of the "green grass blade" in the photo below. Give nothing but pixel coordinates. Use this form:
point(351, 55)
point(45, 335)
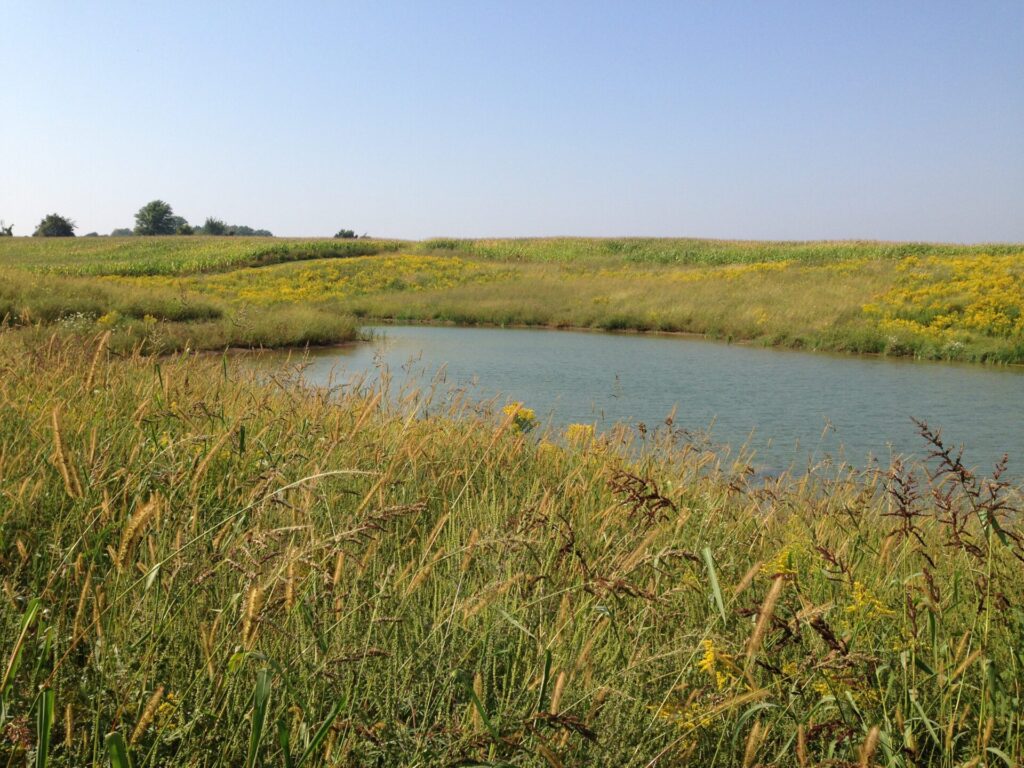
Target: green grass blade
point(261, 700)
point(321, 733)
point(14, 661)
point(117, 750)
point(716, 590)
point(544, 681)
point(1002, 756)
point(44, 727)
point(483, 715)
point(284, 742)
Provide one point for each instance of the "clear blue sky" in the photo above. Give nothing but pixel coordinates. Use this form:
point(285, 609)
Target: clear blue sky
point(891, 120)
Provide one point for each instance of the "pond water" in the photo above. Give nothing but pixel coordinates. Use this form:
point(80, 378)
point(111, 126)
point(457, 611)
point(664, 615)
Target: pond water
point(790, 407)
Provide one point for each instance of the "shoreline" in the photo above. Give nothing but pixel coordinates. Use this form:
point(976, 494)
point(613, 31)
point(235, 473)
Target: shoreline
point(690, 335)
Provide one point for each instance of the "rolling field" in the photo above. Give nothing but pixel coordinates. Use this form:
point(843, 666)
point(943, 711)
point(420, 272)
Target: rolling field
point(929, 301)
point(200, 567)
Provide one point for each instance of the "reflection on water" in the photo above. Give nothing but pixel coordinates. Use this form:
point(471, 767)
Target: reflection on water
point(791, 407)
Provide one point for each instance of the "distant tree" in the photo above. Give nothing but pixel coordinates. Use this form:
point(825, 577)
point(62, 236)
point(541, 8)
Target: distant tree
point(181, 227)
point(55, 225)
point(6, 231)
point(346, 234)
point(122, 232)
point(155, 218)
point(214, 226)
point(91, 234)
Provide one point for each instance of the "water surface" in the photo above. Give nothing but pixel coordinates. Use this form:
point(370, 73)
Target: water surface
point(791, 407)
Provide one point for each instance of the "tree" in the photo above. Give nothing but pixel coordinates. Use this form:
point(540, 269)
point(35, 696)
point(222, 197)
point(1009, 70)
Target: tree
point(55, 225)
point(122, 232)
point(214, 227)
point(155, 218)
point(6, 231)
point(346, 234)
point(181, 227)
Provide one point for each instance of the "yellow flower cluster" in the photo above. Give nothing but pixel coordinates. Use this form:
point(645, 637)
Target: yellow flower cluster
point(687, 717)
point(938, 298)
point(523, 419)
point(168, 714)
point(109, 320)
point(322, 279)
point(784, 562)
point(720, 666)
point(579, 434)
point(865, 605)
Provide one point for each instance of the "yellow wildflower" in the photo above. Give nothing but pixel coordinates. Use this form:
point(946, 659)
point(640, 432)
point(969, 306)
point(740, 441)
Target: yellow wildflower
point(718, 665)
point(865, 604)
point(523, 419)
point(579, 434)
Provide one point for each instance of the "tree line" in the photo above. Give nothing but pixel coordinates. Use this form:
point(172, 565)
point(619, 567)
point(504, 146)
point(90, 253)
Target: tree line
point(154, 218)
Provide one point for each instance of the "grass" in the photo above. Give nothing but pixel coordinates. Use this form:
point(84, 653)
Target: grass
point(701, 252)
point(933, 301)
point(200, 566)
point(82, 285)
point(172, 255)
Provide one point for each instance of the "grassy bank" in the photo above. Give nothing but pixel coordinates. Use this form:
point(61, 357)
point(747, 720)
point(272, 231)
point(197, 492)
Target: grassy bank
point(222, 571)
point(930, 301)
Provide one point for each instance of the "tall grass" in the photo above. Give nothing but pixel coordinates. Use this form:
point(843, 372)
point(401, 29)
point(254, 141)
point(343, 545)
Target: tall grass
point(199, 566)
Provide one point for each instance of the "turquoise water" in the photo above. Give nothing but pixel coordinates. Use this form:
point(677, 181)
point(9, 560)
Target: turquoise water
point(790, 407)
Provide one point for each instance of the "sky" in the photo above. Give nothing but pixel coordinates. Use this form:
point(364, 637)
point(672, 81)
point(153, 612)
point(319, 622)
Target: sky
point(892, 120)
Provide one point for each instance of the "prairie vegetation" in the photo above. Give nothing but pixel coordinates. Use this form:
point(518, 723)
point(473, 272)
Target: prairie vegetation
point(202, 567)
point(83, 285)
point(694, 251)
point(930, 301)
point(173, 255)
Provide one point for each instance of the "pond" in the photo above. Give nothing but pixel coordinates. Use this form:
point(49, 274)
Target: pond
point(790, 407)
